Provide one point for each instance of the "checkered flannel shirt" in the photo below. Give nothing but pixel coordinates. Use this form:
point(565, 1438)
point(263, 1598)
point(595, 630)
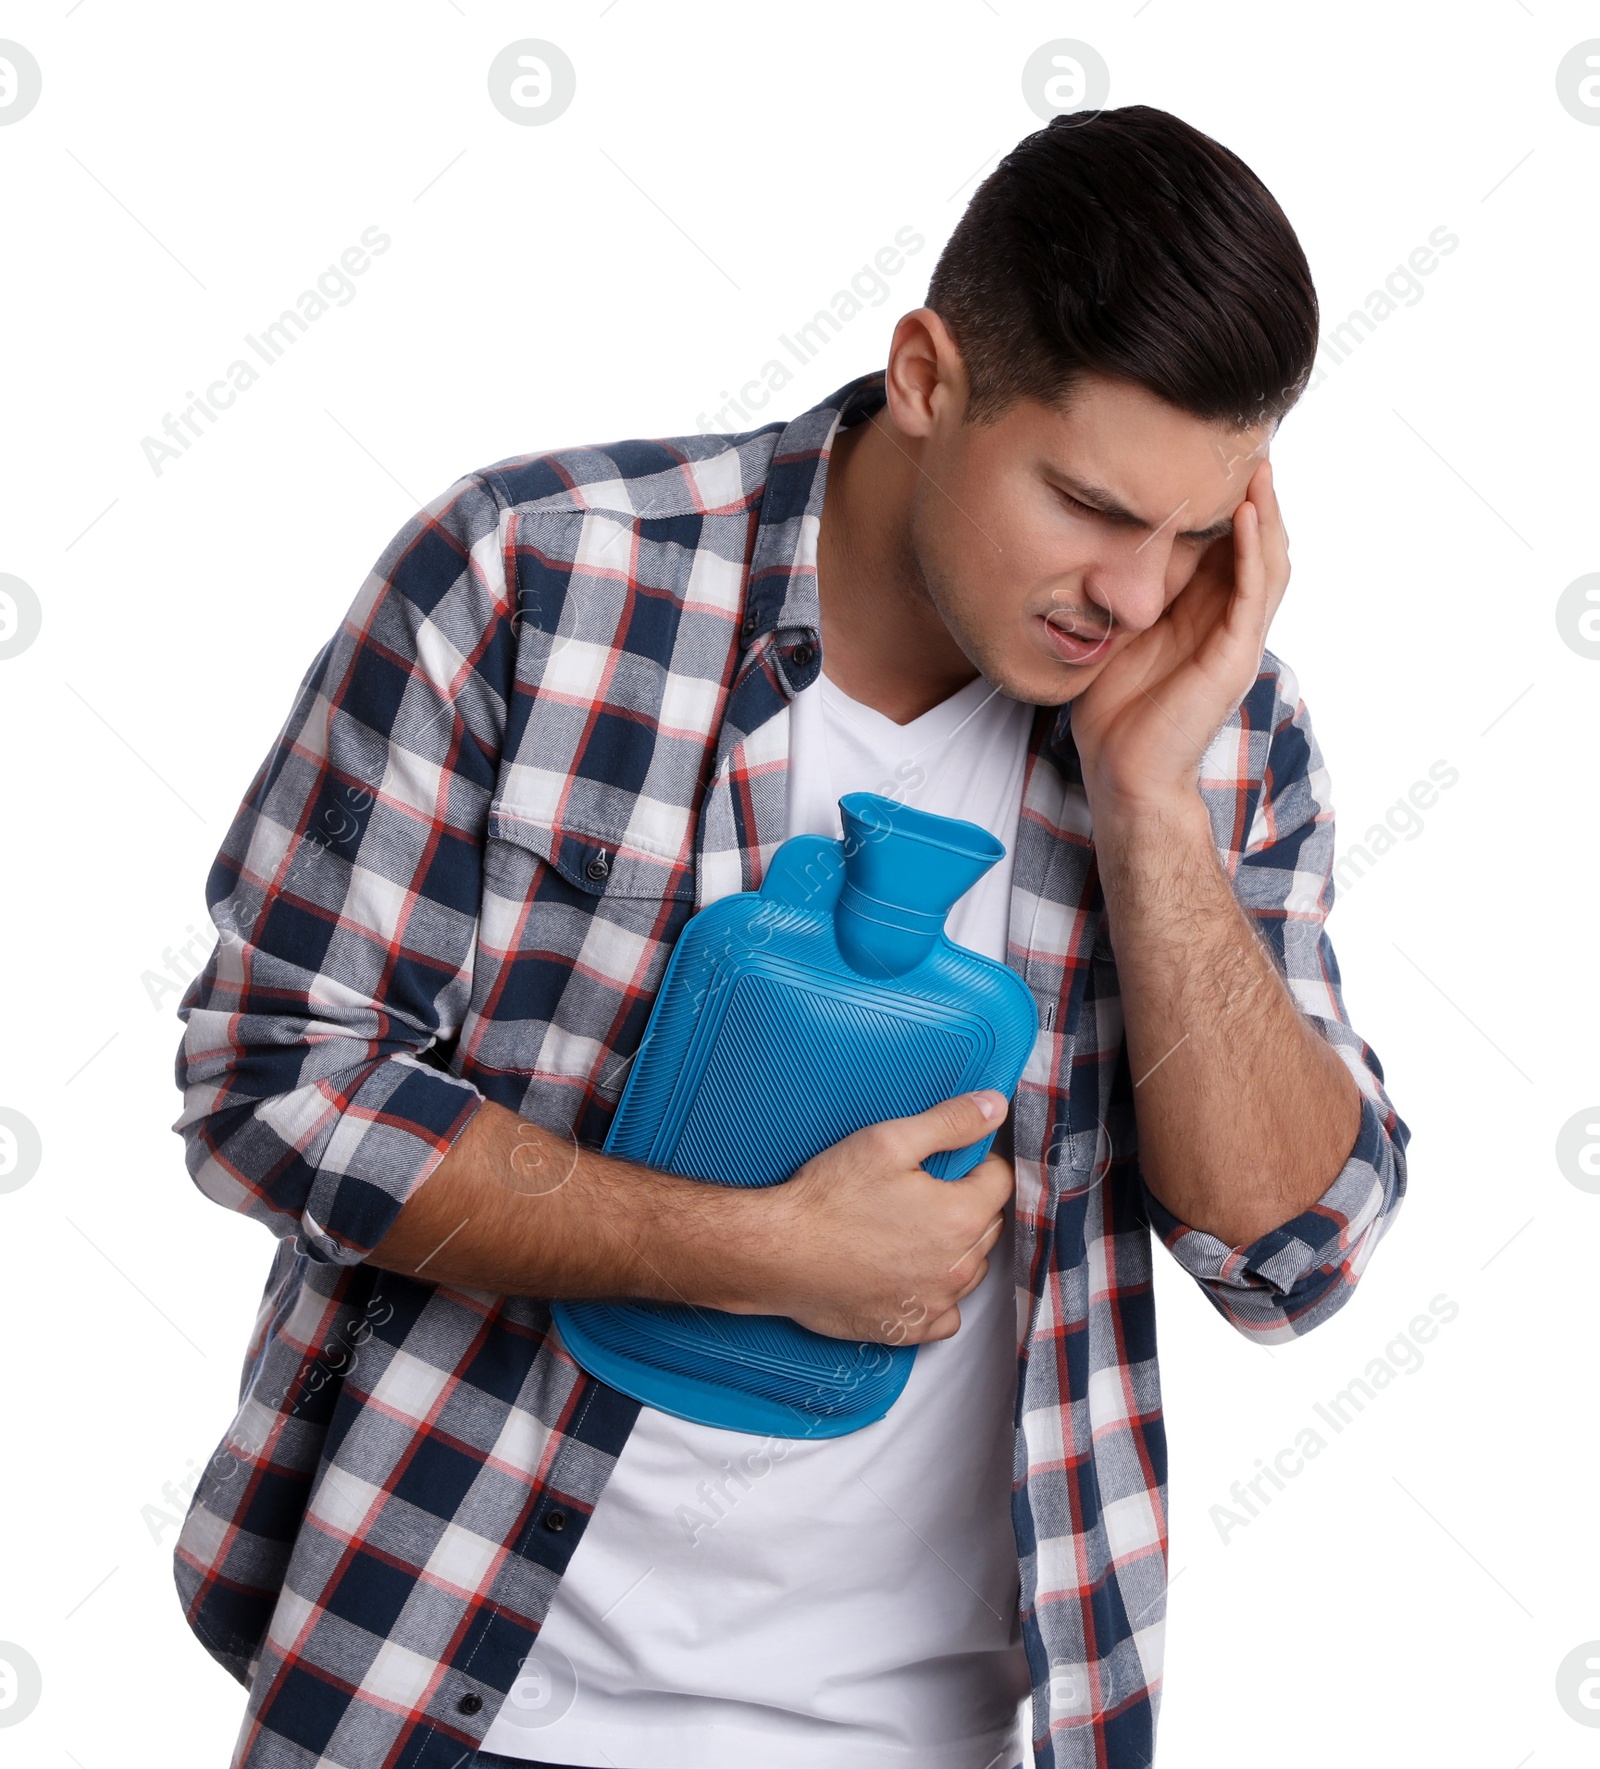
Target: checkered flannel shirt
point(551, 726)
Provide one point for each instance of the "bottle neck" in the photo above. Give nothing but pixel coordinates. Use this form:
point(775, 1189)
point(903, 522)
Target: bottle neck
point(905, 869)
point(883, 939)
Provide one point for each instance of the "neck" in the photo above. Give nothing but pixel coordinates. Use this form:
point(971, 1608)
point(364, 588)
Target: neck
point(883, 641)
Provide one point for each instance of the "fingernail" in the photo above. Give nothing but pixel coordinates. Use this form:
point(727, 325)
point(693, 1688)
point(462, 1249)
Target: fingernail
point(990, 1104)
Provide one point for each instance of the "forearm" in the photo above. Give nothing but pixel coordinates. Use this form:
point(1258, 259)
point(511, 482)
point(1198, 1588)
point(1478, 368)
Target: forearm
point(862, 1242)
point(1245, 1113)
point(521, 1210)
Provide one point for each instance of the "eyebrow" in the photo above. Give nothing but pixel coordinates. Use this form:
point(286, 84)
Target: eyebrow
point(1099, 499)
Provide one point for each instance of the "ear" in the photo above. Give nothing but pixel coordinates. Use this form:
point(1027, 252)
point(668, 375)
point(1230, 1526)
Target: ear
point(925, 379)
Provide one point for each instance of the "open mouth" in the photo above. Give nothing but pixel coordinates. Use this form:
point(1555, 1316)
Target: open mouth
point(1072, 639)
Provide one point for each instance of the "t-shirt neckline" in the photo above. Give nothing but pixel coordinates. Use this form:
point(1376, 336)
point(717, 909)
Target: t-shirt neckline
point(936, 722)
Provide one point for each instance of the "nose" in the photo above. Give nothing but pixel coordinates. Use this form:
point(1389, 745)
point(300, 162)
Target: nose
point(1129, 580)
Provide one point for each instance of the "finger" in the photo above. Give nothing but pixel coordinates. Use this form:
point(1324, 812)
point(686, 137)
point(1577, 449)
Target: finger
point(1274, 536)
point(992, 1230)
point(951, 1124)
point(1244, 620)
point(966, 1289)
point(1250, 574)
point(1269, 578)
point(944, 1326)
point(992, 1181)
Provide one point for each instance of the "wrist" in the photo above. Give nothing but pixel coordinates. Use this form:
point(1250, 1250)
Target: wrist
point(708, 1245)
point(1156, 856)
point(1137, 818)
point(753, 1249)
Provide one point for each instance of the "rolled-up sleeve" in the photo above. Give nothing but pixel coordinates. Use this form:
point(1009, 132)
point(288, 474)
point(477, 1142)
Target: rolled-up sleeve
point(345, 900)
point(1293, 1277)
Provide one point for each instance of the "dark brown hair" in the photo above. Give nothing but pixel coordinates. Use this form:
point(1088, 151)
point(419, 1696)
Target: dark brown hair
point(1126, 243)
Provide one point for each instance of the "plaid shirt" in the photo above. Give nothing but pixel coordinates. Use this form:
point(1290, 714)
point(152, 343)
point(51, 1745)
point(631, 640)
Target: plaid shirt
point(549, 729)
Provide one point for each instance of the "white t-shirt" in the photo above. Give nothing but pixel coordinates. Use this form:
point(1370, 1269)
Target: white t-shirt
point(851, 1601)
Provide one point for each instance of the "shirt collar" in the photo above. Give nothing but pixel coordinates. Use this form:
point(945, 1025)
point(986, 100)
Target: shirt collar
point(781, 591)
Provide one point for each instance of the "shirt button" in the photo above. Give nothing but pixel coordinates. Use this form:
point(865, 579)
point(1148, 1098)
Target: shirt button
point(555, 1520)
point(469, 1704)
point(598, 867)
point(801, 655)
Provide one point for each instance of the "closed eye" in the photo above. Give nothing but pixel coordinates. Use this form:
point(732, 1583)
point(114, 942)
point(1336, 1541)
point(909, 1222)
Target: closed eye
point(1118, 520)
point(1078, 504)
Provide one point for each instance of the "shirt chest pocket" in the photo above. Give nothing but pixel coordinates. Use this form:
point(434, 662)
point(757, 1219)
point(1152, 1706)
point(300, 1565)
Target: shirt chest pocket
point(574, 933)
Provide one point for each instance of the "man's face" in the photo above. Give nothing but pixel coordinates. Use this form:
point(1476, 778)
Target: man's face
point(1016, 530)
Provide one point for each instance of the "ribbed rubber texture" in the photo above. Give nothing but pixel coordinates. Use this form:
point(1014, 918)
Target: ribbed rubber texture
point(765, 1048)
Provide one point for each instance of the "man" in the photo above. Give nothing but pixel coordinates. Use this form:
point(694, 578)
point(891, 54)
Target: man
point(1025, 575)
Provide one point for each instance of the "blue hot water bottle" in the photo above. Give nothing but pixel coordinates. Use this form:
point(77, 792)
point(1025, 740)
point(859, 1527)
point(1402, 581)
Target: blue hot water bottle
point(789, 1017)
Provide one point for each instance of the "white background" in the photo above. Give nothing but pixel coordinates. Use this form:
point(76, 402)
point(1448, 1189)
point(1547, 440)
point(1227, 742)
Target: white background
point(722, 171)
